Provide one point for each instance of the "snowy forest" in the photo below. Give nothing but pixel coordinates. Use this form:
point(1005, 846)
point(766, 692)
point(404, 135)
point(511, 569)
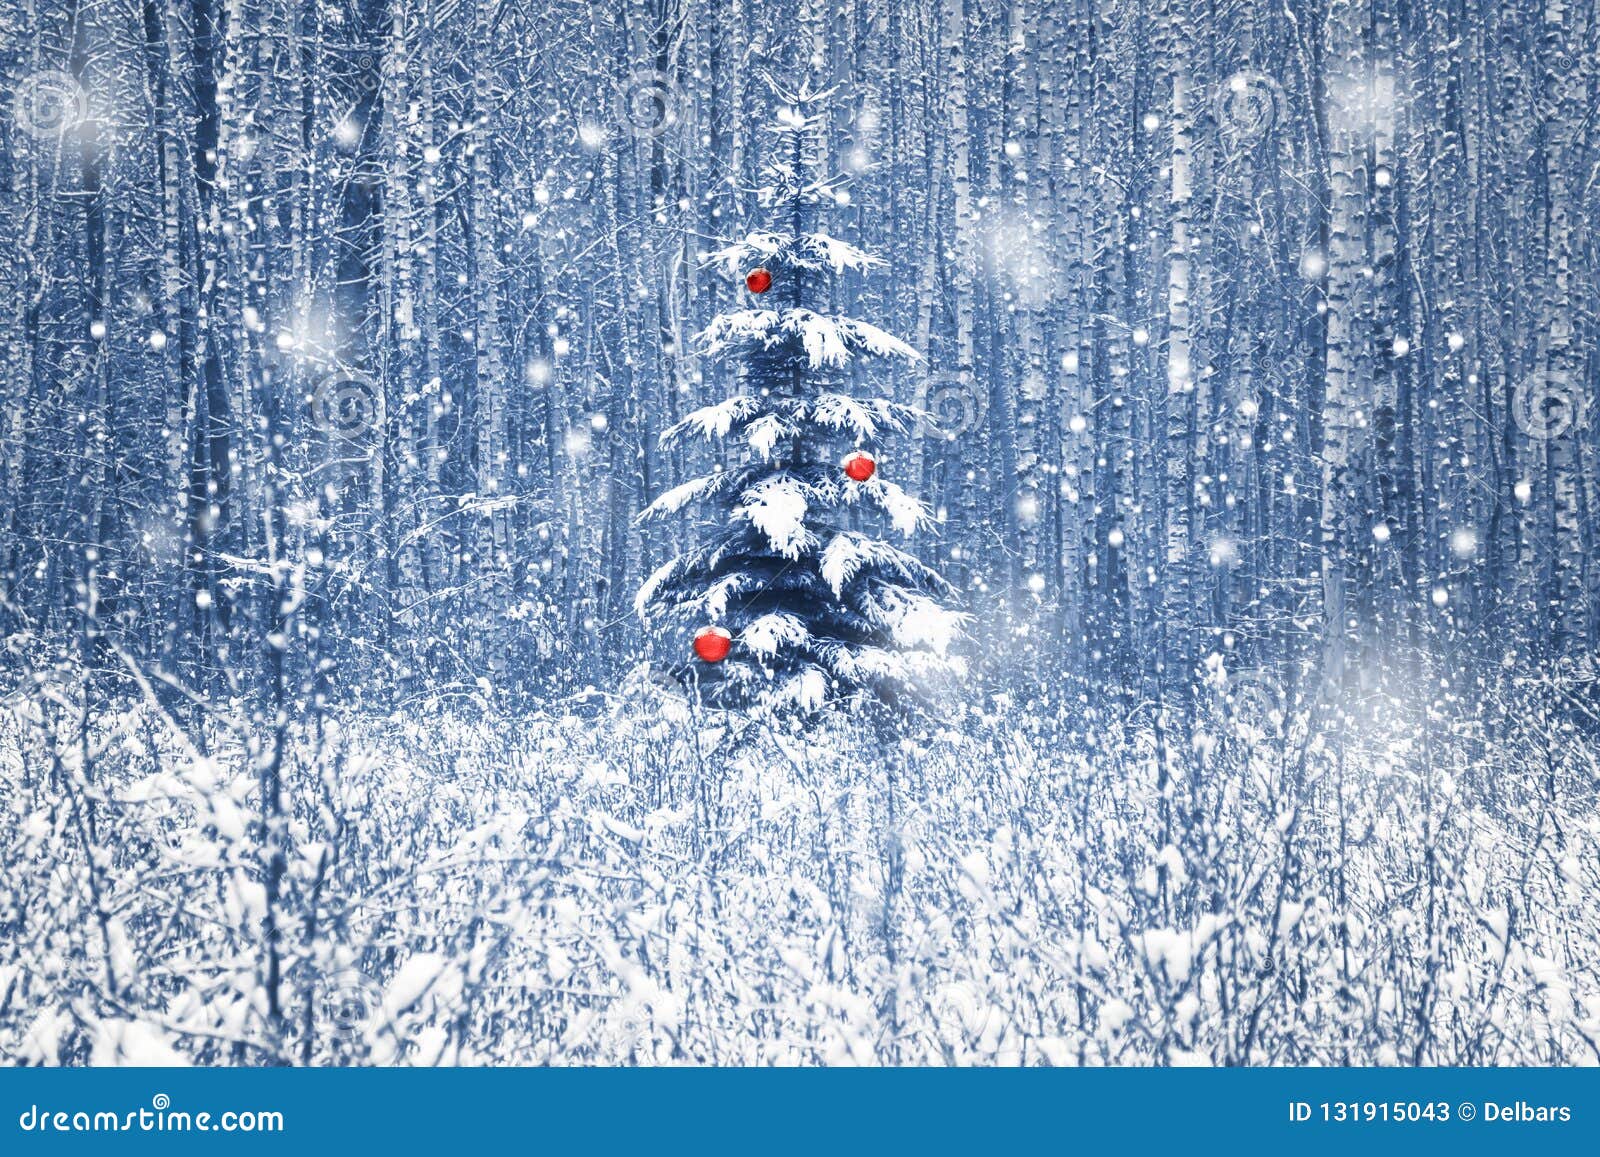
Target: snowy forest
point(772, 532)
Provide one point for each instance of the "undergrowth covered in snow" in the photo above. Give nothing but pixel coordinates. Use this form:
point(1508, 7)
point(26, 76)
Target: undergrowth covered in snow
point(634, 881)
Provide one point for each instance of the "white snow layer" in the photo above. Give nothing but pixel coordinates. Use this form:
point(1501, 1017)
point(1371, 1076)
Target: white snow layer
point(776, 506)
point(768, 419)
point(715, 597)
point(905, 512)
point(134, 1042)
point(806, 689)
point(827, 341)
point(716, 420)
point(810, 251)
point(770, 633)
point(848, 552)
point(763, 434)
point(918, 621)
point(868, 664)
point(678, 497)
point(648, 589)
point(842, 412)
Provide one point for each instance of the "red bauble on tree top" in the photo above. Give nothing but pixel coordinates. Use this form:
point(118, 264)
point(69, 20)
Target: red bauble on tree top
point(758, 281)
point(858, 467)
point(711, 644)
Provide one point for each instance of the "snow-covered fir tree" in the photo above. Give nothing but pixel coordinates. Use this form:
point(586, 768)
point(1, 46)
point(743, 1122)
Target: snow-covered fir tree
point(816, 606)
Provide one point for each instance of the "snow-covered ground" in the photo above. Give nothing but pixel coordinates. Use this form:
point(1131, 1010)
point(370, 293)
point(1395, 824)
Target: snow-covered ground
point(622, 880)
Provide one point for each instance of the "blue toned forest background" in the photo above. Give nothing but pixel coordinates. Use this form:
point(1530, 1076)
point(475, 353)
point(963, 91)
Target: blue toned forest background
point(1260, 346)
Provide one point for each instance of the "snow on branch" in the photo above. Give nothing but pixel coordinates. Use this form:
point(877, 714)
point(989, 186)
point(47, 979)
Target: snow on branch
point(862, 417)
point(772, 632)
point(659, 578)
point(806, 94)
point(872, 664)
point(765, 422)
point(678, 497)
point(765, 432)
point(827, 341)
point(906, 513)
point(820, 485)
point(713, 421)
point(805, 690)
point(849, 554)
point(715, 597)
point(703, 558)
point(915, 620)
point(815, 252)
point(776, 506)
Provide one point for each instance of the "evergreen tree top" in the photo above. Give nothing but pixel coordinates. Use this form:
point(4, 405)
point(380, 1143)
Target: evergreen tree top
point(815, 607)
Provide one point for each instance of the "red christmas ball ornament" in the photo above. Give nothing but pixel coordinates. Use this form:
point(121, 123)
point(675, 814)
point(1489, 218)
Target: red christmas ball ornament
point(858, 467)
point(711, 644)
point(758, 281)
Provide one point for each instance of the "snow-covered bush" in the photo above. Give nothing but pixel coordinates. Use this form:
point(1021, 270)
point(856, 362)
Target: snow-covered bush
point(644, 882)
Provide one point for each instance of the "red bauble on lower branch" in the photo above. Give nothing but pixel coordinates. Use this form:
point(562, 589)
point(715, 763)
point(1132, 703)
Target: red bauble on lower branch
point(711, 644)
point(758, 281)
point(858, 467)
